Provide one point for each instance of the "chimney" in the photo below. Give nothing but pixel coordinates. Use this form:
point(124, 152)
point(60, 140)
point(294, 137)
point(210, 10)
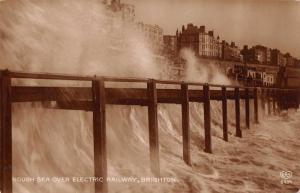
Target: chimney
point(202, 29)
point(190, 25)
point(211, 33)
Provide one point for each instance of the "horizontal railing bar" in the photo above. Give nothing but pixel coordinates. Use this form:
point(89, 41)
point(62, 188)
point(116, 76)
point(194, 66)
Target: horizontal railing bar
point(35, 94)
point(52, 76)
point(46, 76)
point(190, 83)
point(120, 96)
point(174, 82)
point(126, 79)
point(70, 105)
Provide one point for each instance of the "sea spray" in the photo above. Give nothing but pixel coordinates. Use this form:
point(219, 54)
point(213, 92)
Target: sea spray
point(199, 72)
point(78, 37)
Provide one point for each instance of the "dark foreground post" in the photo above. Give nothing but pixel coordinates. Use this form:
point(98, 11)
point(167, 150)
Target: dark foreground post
point(224, 111)
point(153, 128)
point(285, 99)
point(1, 127)
point(247, 108)
point(298, 98)
point(269, 101)
point(255, 106)
point(185, 124)
point(262, 98)
point(279, 100)
point(274, 101)
point(207, 119)
point(6, 133)
point(100, 154)
point(238, 131)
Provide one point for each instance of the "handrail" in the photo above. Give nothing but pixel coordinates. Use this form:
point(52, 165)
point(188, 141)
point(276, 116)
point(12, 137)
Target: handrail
point(125, 79)
point(96, 97)
point(49, 76)
point(55, 76)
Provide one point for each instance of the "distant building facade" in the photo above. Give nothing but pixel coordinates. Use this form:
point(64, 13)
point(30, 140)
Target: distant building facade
point(230, 52)
point(268, 79)
point(209, 45)
point(203, 43)
point(277, 58)
point(125, 11)
point(153, 35)
point(297, 63)
point(257, 55)
point(170, 45)
point(290, 60)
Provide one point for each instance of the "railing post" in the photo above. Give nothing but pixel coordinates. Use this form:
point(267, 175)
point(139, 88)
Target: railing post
point(262, 98)
point(295, 94)
point(289, 99)
point(274, 101)
point(295, 99)
point(224, 111)
point(283, 102)
point(207, 119)
point(238, 132)
point(298, 98)
point(1, 126)
point(285, 97)
point(153, 127)
point(185, 124)
point(247, 108)
point(99, 130)
point(255, 106)
point(280, 100)
point(269, 101)
point(6, 133)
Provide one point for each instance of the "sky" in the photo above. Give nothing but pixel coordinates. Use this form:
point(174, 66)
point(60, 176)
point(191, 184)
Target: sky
point(272, 23)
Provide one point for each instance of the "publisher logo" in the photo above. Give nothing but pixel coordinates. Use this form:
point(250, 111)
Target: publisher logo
point(286, 177)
